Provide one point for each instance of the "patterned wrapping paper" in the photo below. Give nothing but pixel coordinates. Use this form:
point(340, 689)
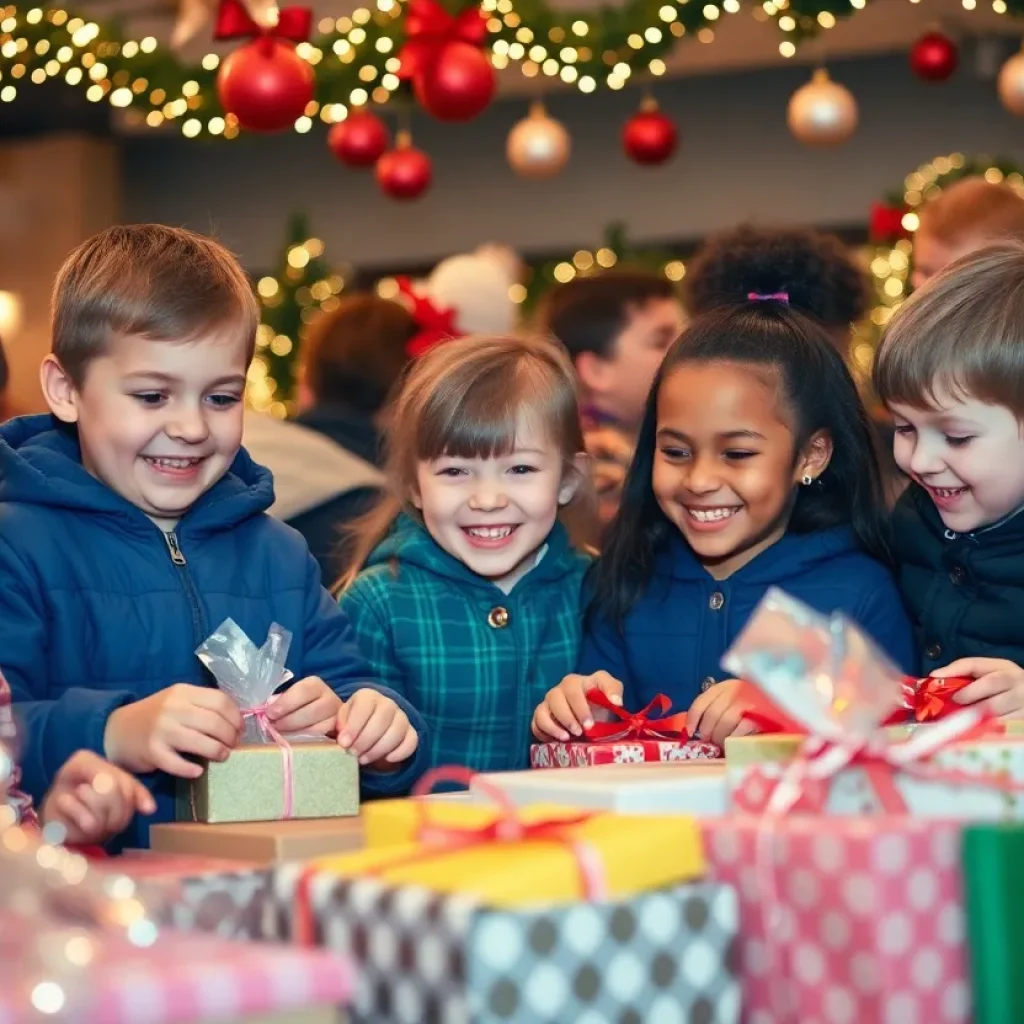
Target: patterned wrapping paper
point(426, 957)
point(579, 755)
point(194, 894)
point(846, 920)
point(191, 980)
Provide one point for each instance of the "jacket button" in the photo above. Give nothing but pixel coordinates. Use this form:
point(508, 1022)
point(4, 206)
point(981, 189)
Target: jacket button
point(707, 683)
point(717, 600)
point(933, 652)
point(957, 575)
point(498, 618)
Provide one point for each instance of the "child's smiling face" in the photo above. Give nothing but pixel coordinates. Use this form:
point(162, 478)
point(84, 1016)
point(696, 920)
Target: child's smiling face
point(725, 469)
point(967, 454)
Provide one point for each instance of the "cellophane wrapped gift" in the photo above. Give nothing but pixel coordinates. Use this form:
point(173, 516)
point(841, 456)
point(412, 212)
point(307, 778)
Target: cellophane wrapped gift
point(856, 920)
point(268, 777)
point(554, 916)
point(626, 738)
point(826, 678)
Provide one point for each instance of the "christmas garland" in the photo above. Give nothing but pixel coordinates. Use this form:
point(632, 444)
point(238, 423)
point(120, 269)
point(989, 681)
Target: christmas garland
point(355, 57)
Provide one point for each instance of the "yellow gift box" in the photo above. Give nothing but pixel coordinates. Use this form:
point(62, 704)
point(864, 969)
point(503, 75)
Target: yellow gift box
point(637, 854)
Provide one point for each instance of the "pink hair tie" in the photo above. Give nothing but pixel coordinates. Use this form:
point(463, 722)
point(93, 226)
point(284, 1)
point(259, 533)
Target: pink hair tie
point(782, 297)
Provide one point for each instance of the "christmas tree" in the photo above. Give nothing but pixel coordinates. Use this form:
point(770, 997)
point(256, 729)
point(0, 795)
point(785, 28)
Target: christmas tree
point(303, 288)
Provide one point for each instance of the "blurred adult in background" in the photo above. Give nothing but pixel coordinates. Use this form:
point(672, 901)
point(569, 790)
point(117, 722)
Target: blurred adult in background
point(616, 326)
point(964, 217)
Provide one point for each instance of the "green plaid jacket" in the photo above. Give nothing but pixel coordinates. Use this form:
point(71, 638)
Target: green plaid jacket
point(473, 660)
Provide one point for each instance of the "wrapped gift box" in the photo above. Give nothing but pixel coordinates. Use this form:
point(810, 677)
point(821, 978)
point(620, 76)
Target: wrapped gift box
point(200, 894)
point(846, 919)
point(500, 932)
point(756, 763)
point(578, 755)
point(694, 787)
point(261, 842)
point(250, 785)
point(994, 894)
point(178, 980)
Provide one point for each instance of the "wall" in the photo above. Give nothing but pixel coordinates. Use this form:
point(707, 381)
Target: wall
point(737, 161)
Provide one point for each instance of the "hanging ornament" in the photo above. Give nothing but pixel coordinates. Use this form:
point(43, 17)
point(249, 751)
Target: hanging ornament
point(444, 59)
point(822, 113)
point(649, 137)
point(264, 83)
point(360, 140)
point(1011, 84)
point(192, 16)
point(538, 146)
point(934, 57)
point(404, 172)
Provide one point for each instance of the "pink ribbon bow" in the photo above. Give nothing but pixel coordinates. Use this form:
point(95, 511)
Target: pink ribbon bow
point(267, 728)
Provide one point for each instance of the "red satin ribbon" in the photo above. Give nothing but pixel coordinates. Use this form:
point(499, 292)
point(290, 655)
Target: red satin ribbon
point(235, 22)
point(436, 325)
point(637, 726)
point(429, 28)
point(440, 840)
point(886, 222)
point(928, 699)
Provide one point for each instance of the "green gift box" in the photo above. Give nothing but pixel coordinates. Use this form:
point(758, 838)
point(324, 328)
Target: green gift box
point(994, 901)
point(251, 785)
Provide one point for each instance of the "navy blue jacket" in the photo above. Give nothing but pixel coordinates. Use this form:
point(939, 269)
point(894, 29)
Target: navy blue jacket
point(677, 633)
point(95, 614)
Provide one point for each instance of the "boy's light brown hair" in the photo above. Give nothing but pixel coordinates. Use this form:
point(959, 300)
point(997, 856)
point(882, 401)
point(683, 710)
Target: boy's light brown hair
point(963, 333)
point(150, 281)
point(974, 209)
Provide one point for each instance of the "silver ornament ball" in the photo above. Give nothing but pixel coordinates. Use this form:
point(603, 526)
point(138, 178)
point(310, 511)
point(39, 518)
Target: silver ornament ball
point(538, 146)
point(822, 112)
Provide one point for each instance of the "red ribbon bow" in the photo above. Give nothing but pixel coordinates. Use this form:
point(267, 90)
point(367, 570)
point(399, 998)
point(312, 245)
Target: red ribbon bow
point(928, 699)
point(429, 28)
point(235, 22)
point(436, 325)
point(886, 222)
point(637, 726)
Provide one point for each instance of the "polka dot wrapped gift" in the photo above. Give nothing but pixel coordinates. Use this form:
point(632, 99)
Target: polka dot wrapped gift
point(552, 916)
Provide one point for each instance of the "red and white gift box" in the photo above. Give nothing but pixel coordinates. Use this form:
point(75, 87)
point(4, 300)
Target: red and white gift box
point(846, 920)
point(580, 755)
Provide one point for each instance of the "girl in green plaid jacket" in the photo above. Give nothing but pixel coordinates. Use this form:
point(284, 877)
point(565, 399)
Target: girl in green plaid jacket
point(469, 603)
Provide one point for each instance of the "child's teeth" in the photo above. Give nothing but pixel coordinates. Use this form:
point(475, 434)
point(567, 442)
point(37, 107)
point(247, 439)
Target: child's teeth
point(709, 515)
point(175, 463)
point(491, 532)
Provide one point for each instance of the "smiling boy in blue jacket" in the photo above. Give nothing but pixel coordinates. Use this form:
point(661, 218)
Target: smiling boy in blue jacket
point(132, 523)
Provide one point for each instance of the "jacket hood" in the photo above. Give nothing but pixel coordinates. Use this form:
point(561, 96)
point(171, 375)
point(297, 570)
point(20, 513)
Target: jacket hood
point(41, 464)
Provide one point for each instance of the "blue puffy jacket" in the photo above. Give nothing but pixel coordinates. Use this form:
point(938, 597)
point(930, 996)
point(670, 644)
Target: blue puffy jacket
point(96, 610)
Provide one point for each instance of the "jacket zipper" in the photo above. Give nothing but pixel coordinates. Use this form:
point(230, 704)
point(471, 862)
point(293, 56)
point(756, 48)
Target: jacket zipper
point(191, 594)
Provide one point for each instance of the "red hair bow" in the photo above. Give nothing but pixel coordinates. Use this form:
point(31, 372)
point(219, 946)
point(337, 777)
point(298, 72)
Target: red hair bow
point(436, 325)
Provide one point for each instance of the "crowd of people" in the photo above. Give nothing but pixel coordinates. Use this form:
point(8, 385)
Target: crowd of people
point(465, 537)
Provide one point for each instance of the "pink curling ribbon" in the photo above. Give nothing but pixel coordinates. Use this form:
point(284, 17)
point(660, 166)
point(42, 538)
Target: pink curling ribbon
point(267, 728)
point(782, 297)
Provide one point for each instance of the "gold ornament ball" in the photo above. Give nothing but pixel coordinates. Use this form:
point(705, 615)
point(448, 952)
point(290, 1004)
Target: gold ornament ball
point(1011, 84)
point(538, 146)
point(822, 113)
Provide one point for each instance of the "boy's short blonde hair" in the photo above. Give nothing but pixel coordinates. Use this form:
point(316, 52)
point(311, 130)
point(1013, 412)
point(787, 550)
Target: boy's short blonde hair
point(963, 332)
point(974, 210)
point(151, 281)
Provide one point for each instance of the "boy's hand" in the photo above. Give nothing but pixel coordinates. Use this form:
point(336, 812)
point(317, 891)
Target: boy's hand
point(998, 685)
point(309, 705)
point(93, 800)
point(376, 729)
point(566, 710)
point(152, 734)
point(718, 712)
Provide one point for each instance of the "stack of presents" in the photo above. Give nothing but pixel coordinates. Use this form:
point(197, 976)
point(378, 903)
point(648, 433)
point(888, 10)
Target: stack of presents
point(856, 860)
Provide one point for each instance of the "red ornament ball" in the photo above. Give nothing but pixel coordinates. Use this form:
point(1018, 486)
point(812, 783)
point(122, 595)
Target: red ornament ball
point(934, 57)
point(404, 172)
point(360, 140)
point(265, 84)
point(649, 137)
point(458, 85)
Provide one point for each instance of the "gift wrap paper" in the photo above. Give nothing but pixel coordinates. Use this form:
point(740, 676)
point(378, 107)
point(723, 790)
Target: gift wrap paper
point(755, 763)
point(641, 854)
point(426, 957)
point(994, 896)
point(846, 920)
point(578, 755)
point(249, 785)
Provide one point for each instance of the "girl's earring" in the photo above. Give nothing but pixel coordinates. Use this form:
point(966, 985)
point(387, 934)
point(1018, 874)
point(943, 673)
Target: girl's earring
point(807, 480)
